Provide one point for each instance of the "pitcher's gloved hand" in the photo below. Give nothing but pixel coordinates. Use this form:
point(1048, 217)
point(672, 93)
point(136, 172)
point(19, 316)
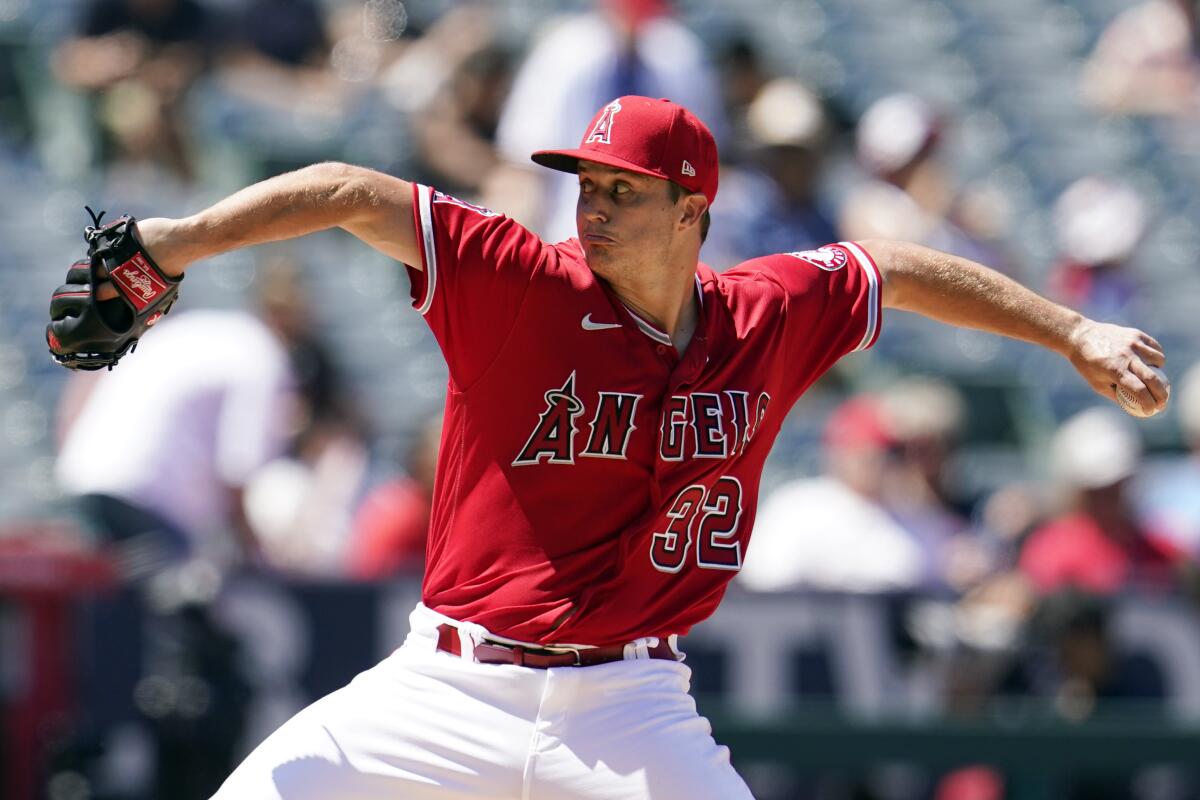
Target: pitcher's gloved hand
point(88, 333)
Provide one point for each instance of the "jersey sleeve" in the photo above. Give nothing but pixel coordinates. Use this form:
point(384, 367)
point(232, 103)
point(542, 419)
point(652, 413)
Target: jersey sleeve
point(476, 266)
point(832, 306)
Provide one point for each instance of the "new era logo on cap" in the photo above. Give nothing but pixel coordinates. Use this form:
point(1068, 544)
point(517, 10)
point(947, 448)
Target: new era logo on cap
point(651, 137)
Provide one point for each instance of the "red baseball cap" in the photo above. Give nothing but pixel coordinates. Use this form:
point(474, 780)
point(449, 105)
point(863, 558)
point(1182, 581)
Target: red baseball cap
point(858, 423)
point(653, 137)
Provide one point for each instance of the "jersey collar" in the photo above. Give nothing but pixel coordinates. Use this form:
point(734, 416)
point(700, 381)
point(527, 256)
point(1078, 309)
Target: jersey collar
point(656, 333)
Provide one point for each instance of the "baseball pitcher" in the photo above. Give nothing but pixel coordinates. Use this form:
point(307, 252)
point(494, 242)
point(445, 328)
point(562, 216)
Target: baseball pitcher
point(610, 406)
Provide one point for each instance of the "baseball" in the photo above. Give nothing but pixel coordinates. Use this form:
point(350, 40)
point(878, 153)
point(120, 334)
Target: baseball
point(1129, 403)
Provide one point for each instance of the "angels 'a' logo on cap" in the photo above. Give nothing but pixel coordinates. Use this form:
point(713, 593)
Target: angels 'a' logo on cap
point(602, 132)
point(687, 168)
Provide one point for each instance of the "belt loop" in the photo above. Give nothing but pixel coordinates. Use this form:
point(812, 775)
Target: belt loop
point(639, 648)
point(647, 643)
point(469, 635)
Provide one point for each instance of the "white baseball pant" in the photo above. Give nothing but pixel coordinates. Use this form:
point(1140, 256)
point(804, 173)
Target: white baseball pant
point(427, 725)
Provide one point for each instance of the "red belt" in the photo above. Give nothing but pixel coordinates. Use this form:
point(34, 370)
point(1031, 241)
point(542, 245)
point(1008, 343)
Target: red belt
point(489, 652)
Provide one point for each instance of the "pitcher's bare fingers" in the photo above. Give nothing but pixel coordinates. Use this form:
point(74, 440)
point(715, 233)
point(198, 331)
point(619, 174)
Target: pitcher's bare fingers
point(1150, 353)
point(1155, 382)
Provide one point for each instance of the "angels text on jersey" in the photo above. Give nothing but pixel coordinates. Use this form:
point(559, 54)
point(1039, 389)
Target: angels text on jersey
point(713, 425)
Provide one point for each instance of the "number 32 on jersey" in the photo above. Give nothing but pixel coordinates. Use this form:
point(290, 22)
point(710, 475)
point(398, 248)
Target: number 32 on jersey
point(703, 520)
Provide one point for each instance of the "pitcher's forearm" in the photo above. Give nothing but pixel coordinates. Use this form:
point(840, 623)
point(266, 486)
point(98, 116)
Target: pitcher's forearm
point(960, 292)
point(287, 206)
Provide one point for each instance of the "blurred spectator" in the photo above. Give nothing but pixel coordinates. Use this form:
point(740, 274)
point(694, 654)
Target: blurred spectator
point(881, 518)
point(910, 196)
point(896, 137)
point(833, 531)
point(392, 523)
point(428, 63)
point(451, 84)
point(1098, 544)
point(138, 58)
point(1173, 498)
point(455, 124)
point(324, 398)
point(276, 51)
point(1099, 224)
point(300, 505)
point(774, 206)
point(1146, 61)
point(162, 446)
point(297, 82)
point(1011, 513)
point(576, 66)
point(926, 417)
point(289, 33)
point(743, 76)
point(1073, 662)
point(156, 453)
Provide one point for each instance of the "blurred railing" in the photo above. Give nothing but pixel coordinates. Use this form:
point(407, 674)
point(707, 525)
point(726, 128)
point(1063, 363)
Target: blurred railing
point(804, 682)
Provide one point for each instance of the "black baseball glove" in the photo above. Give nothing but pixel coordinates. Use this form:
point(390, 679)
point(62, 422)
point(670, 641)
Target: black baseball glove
point(87, 333)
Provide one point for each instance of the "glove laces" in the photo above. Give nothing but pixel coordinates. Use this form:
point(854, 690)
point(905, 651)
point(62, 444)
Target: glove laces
point(89, 233)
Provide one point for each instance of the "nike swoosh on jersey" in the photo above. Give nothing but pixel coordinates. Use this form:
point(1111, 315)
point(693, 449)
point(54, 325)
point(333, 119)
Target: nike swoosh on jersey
point(588, 325)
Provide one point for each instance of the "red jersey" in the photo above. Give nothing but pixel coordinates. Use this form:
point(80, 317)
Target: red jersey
point(1074, 550)
point(389, 531)
point(593, 486)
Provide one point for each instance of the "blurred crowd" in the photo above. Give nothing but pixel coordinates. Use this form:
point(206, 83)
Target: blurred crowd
point(257, 449)
point(798, 172)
